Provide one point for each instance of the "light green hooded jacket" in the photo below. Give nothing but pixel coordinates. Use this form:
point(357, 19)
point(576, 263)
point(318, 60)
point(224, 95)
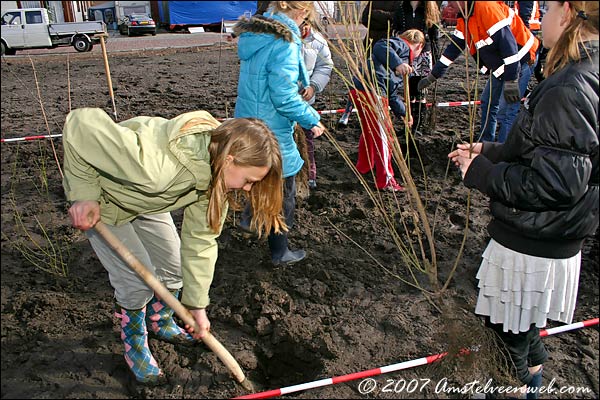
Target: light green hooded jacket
point(148, 165)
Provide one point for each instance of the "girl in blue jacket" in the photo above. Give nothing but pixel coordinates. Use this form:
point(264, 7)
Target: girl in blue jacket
point(271, 67)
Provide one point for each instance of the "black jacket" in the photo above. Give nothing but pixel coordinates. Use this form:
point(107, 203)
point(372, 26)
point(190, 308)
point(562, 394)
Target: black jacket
point(543, 181)
point(406, 19)
point(381, 14)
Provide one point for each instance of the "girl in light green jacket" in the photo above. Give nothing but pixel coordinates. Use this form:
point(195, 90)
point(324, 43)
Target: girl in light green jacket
point(132, 174)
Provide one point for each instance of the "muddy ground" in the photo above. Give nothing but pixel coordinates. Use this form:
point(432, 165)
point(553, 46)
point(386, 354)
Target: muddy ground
point(336, 313)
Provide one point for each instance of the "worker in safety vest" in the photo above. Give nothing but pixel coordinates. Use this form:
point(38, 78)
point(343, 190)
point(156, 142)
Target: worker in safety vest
point(503, 46)
point(529, 11)
point(532, 15)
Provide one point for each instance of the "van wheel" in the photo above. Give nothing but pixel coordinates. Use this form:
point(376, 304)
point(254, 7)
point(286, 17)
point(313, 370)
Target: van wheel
point(6, 51)
point(81, 44)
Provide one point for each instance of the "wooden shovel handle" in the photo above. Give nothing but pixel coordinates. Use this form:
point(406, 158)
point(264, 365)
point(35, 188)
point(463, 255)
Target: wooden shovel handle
point(161, 291)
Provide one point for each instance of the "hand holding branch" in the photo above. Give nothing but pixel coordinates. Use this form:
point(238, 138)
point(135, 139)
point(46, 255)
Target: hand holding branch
point(308, 93)
point(403, 69)
point(464, 155)
point(318, 130)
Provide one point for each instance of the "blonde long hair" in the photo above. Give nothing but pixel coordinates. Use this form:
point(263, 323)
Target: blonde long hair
point(287, 6)
point(566, 49)
point(432, 14)
point(251, 144)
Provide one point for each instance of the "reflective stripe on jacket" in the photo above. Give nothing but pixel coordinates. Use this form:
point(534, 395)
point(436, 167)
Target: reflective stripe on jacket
point(529, 11)
point(501, 40)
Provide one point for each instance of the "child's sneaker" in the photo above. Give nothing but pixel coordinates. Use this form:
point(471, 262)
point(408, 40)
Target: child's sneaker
point(343, 122)
point(312, 184)
point(394, 187)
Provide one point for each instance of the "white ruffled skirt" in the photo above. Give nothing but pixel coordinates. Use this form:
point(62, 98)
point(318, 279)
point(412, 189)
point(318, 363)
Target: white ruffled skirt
point(518, 290)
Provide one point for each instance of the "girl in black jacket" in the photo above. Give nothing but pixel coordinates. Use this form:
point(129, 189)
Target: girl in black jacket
point(543, 187)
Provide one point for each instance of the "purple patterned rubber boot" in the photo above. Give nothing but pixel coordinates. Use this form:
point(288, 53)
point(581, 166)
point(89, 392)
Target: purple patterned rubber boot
point(137, 353)
point(159, 317)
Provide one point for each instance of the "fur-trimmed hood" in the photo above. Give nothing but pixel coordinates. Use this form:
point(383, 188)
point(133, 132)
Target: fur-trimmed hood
point(262, 24)
point(264, 30)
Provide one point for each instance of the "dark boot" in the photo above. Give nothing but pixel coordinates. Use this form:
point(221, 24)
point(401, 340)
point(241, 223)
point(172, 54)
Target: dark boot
point(290, 257)
point(280, 253)
point(418, 107)
point(160, 322)
point(245, 221)
point(415, 111)
point(137, 353)
point(423, 116)
point(533, 388)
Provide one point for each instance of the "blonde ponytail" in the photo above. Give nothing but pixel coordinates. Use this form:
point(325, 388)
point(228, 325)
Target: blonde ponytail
point(584, 21)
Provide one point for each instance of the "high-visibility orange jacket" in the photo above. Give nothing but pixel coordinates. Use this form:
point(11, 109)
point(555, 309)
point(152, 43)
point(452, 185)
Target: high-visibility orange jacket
point(529, 11)
point(495, 36)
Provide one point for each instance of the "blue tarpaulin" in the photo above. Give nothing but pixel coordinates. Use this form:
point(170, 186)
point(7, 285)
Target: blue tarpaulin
point(203, 12)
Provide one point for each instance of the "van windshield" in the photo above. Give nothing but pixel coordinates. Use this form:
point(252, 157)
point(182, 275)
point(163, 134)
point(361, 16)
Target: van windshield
point(11, 18)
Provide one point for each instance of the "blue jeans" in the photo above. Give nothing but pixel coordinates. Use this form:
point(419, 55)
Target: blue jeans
point(495, 109)
point(278, 243)
point(490, 103)
point(508, 112)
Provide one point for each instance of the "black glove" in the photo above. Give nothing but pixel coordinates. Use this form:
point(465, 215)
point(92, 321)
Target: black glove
point(511, 91)
point(426, 82)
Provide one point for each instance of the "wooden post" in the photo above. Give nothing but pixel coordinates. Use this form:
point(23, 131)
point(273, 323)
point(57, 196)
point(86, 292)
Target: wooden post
point(220, 47)
point(407, 98)
point(109, 80)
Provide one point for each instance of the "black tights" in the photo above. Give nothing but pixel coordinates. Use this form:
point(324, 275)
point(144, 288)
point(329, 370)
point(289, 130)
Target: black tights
point(525, 349)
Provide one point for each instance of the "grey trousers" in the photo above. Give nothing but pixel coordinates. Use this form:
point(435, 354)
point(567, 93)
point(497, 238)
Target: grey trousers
point(154, 240)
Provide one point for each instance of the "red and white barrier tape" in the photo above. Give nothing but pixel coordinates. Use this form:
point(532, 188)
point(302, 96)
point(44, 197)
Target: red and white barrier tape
point(338, 111)
point(570, 327)
point(446, 104)
point(29, 138)
point(393, 367)
point(323, 112)
point(455, 103)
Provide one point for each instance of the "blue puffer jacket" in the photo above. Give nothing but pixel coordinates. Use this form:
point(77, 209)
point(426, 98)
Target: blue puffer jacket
point(387, 55)
point(271, 66)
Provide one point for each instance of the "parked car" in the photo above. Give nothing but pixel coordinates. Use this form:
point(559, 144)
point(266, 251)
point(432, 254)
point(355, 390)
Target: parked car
point(137, 23)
